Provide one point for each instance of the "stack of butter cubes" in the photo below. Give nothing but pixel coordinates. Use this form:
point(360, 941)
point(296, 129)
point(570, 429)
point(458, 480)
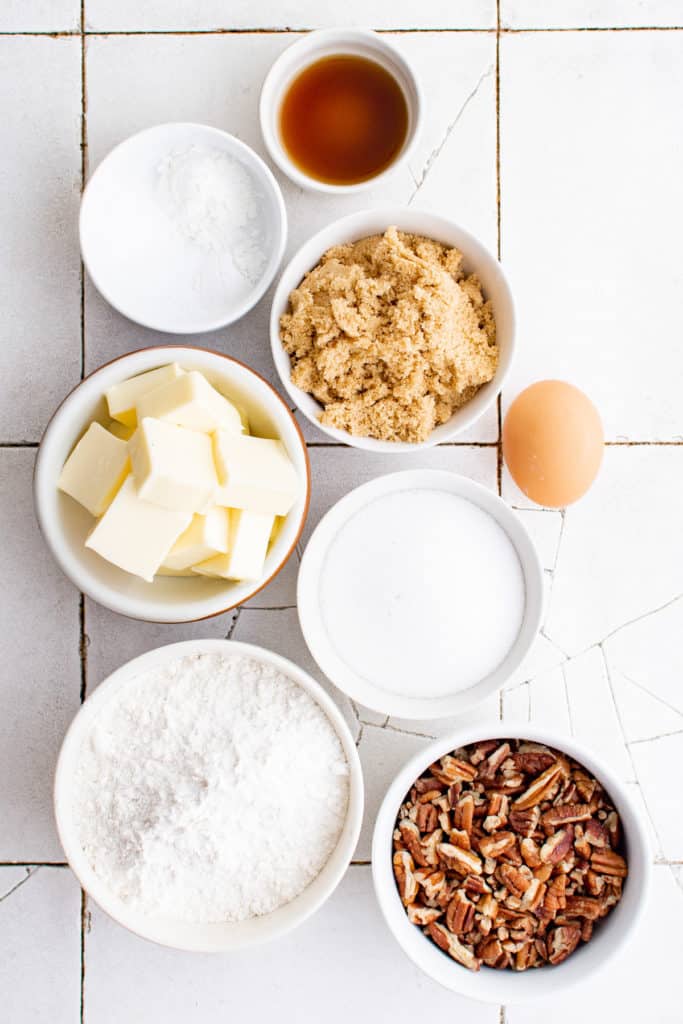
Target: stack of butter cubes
point(178, 484)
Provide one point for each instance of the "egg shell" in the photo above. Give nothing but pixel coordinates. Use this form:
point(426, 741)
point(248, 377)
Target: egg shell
point(553, 443)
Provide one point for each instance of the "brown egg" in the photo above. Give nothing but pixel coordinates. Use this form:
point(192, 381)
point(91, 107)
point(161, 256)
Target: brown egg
point(553, 442)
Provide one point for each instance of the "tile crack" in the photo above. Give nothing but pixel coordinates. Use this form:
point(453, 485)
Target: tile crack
point(30, 872)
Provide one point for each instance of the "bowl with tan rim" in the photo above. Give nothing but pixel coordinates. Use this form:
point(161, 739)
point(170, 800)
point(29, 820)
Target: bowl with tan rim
point(65, 524)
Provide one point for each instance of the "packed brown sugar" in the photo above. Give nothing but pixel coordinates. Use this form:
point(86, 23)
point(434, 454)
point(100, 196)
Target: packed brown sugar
point(390, 336)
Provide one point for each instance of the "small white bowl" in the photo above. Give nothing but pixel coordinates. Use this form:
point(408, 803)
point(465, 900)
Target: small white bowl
point(143, 265)
point(477, 259)
point(334, 43)
point(312, 569)
point(214, 937)
point(507, 986)
point(65, 524)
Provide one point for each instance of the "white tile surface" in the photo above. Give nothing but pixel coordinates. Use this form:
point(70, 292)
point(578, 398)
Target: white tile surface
point(40, 678)
point(639, 983)
point(40, 16)
point(40, 945)
point(642, 652)
point(589, 13)
point(133, 981)
point(587, 126)
point(40, 172)
point(657, 764)
point(110, 15)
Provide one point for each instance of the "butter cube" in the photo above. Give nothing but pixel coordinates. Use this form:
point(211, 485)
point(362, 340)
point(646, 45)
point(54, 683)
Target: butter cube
point(122, 398)
point(254, 473)
point(136, 535)
point(95, 469)
point(249, 536)
point(120, 430)
point(173, 467)
point(205, 537)
point(191, 402)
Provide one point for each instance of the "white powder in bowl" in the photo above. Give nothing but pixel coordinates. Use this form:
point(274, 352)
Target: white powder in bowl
point(212, 789)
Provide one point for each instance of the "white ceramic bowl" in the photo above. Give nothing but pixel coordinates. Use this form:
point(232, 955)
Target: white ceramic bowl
point(312, 570)
point(214, 937)
point(477, 259)
point(148, 269)
point(327, 43)
point(507, 986)
point(65, 524)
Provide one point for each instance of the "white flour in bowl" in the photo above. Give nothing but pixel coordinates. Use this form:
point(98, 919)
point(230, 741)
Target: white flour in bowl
point(211, 789)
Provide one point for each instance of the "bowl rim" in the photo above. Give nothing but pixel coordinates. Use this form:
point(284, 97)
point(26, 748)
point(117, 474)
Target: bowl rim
point(354, 226)
point(260, 168)
point(455, 977)
point(312, 565)
point(126, 674)
point(51, 533)
point(302, 52)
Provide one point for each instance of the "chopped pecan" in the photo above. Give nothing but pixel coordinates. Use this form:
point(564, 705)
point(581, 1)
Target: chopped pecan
point(434, 885)
point(557, 846)
point(526, 822)
point(410, 834)
point(446, 941)
point(482, 750)
point(427, 818)
point(450, 769)
point(540, 789)
point(607, 862)
point(429, 847)
point(513, 879)
point(490, 951)
point(464, 861)
point(562, 941)
point(565, 814)
point(596, 834)
point(459, 837)
point(493, 846)
point(422, 916)
point(463, 813)
point(584, 906)
point(405, 879)
point(428, 784)
point(530, 853)
point(459, 914)
point(494, 761)
point(534, 895)
point(532, 762)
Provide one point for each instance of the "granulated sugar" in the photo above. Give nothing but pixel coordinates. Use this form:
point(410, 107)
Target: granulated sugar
point(211, 789)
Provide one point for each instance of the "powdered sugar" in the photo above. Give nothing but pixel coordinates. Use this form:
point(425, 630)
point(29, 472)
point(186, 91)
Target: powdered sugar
point(212, 789)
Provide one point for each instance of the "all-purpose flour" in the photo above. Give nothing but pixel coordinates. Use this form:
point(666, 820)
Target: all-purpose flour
point(212, 789)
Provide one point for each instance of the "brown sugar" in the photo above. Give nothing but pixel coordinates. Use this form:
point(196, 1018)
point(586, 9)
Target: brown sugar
point(390, 336)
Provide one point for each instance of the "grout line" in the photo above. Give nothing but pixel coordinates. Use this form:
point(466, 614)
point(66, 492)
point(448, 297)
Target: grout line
point(444, 444)
point(297, 29)
point(33, 864)
point(84, 916)
point(499, 402)
point(83, 642)
point(83, 636)
point(19, 444)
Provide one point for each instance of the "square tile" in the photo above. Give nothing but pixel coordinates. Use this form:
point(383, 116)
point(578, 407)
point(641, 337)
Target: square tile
point(40, 169)
point(40, 16)
point(128, 979)
point(40, 683)
point(590, 243)
point(589, 13)
point(111, 15)
point(40, 945)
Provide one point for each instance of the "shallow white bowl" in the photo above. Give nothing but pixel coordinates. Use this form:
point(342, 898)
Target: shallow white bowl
point(477, 259)
point(313, 567)
point(145, 268)
point(214, 937)
point(65, 524)
point(334, 43)
point(488, 984)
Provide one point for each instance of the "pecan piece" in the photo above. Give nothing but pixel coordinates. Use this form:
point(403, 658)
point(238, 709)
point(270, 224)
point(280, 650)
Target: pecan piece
point(530, 853)
point(490, 952)
point(410, 834)
point(557, 846)
point(494, 761)
point(446, 941)
point(531, 762)
point(562, 941)
point(427, 818)
point(422, 916)
point(463, 813)
point(584, 906)
point(526, 822)
point(534, 895)
point(565, 814)
point(405, 879)
point(459, 914)
point(513, 879)
point(540, 789)
point(451, 769)
point(464, 861)
point(607, 862)
point(493, 846)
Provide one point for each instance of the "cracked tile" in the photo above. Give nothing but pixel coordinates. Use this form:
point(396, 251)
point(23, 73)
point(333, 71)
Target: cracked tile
point(569, 249)
point(636, 792)
point(113, 15)
point(642, 652)
point(638, 983)
point(544, 526)
point(128, 979)
point(548, 702)
point(40, 80)
point(383, 752)
point(481, 714)
point(40, 943)
point(642, 714)
point(589, 13)
point(542, 658)
point(516, 704)
point(615, 568)
point(657, 764)
point(40, 681)
point(594, 717)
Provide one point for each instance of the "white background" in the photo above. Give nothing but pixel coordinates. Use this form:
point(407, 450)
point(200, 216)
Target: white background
point(561, 148)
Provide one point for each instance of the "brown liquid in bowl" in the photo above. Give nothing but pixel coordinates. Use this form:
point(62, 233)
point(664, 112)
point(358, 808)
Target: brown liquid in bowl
point(343, 120)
